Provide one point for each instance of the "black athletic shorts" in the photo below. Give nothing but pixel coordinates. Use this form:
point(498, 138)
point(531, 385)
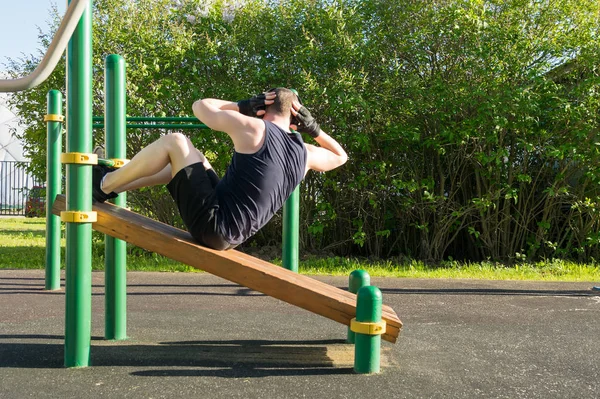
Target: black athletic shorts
point(193, 189)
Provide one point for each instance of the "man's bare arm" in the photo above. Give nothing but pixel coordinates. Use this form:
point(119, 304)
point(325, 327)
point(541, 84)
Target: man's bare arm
point(245, 132)
point(211, 110)
point(328, 156)
point(204, 109)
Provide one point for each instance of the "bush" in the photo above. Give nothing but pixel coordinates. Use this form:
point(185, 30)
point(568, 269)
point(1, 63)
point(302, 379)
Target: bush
point(471, 126)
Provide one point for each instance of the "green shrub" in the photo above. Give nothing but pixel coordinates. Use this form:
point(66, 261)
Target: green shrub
point(472, 126)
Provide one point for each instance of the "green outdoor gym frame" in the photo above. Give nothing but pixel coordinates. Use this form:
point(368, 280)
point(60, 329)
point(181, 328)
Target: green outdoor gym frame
point(75, 34)
point(115, 124)
point(76, 27)
point(365, 329)
point(79, 199)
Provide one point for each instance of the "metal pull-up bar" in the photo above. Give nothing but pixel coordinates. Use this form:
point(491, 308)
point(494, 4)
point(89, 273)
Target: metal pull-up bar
point(150, 122)
point(54, 52)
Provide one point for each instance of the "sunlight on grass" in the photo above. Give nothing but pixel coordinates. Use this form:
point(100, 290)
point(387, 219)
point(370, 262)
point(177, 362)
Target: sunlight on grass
point(22, 243)
point(22, 246)
point(556, 270)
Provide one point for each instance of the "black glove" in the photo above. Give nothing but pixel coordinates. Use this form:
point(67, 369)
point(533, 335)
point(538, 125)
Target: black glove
point(306, 123)
point(251, 106)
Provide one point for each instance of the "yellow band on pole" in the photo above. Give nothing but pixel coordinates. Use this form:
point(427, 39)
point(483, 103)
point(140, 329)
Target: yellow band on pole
point(54, 118)
point(78, 217)
point(367, 328)
point(79, 158)
point(117, 162)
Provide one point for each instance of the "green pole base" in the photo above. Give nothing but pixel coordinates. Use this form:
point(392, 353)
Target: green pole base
point(367, 348)
point(368, 358)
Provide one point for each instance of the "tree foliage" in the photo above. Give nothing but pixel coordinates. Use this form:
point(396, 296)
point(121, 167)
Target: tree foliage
point(471, 125)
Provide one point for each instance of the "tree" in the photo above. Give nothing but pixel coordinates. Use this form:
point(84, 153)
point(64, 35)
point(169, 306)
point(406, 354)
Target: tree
point(465, 138)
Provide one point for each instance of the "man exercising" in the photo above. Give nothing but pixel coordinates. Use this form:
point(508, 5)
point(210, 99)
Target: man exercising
point(268, 163)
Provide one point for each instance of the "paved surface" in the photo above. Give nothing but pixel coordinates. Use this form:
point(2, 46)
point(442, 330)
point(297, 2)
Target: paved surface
point(195, 335)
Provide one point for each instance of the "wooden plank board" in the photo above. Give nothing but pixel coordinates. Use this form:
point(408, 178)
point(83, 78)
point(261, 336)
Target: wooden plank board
point(235, 266)
point(386, 310)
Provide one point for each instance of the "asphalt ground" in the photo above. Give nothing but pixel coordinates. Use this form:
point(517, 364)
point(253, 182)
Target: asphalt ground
point(195, 335)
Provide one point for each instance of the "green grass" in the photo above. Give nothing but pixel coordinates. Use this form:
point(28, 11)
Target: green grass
point(555, 270)
point(22, 246)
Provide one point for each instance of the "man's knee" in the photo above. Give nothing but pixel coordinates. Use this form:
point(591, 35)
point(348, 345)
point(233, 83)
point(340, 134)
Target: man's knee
point(179, 140)
point(178, 143)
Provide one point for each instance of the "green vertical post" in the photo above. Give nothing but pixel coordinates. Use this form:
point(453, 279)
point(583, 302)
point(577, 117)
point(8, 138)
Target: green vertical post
point(357, 280)
point(78, 290)
point(53, 175)
point(291, 226)
point(115, 277)
point(368, 346)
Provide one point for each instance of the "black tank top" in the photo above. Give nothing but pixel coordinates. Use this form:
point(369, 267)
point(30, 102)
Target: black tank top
point(256, 186)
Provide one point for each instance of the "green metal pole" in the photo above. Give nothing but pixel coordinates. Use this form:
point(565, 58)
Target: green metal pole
point(115, 277)
point(192, 119)
point(357, 280)
point(158, 126)
point(53, 175)
point(78, 290)
point(291, 225)
point(367, 348)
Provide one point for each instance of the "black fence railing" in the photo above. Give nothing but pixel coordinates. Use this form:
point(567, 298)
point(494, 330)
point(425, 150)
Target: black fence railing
point(20, 193)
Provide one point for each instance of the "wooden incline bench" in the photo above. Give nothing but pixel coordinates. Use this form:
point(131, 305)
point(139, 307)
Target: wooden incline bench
point(296, 289)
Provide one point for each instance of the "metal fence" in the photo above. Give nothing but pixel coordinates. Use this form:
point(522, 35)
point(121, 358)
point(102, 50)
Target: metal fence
point(20, 193)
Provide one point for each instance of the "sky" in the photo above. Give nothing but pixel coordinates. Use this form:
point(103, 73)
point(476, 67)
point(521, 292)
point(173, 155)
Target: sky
point(18, 30)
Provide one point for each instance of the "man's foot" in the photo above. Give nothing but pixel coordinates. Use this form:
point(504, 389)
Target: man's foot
point(98, 173)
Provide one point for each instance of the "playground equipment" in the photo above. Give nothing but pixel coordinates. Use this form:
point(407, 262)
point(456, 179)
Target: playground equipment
point(296, 289)
point(142, 122)
point(76, 209)
point(368, 328)
point(115, 124)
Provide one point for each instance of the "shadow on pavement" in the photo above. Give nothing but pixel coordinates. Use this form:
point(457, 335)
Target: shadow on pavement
point(14, 288)
point(227, 359)
point(28, 285)
point(24, 278)
point(243, 372)
point(487, 291)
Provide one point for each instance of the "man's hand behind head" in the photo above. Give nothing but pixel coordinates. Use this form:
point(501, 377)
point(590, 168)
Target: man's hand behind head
point(256, 105)
point(303, 121)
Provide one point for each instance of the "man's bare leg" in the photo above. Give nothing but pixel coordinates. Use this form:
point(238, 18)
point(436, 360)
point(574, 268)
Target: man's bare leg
point(174, 149)
point(162, 177)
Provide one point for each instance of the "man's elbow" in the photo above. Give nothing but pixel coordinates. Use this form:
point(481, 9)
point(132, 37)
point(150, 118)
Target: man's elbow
point(343, 158)
point(199, 107)
point(336, 162)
